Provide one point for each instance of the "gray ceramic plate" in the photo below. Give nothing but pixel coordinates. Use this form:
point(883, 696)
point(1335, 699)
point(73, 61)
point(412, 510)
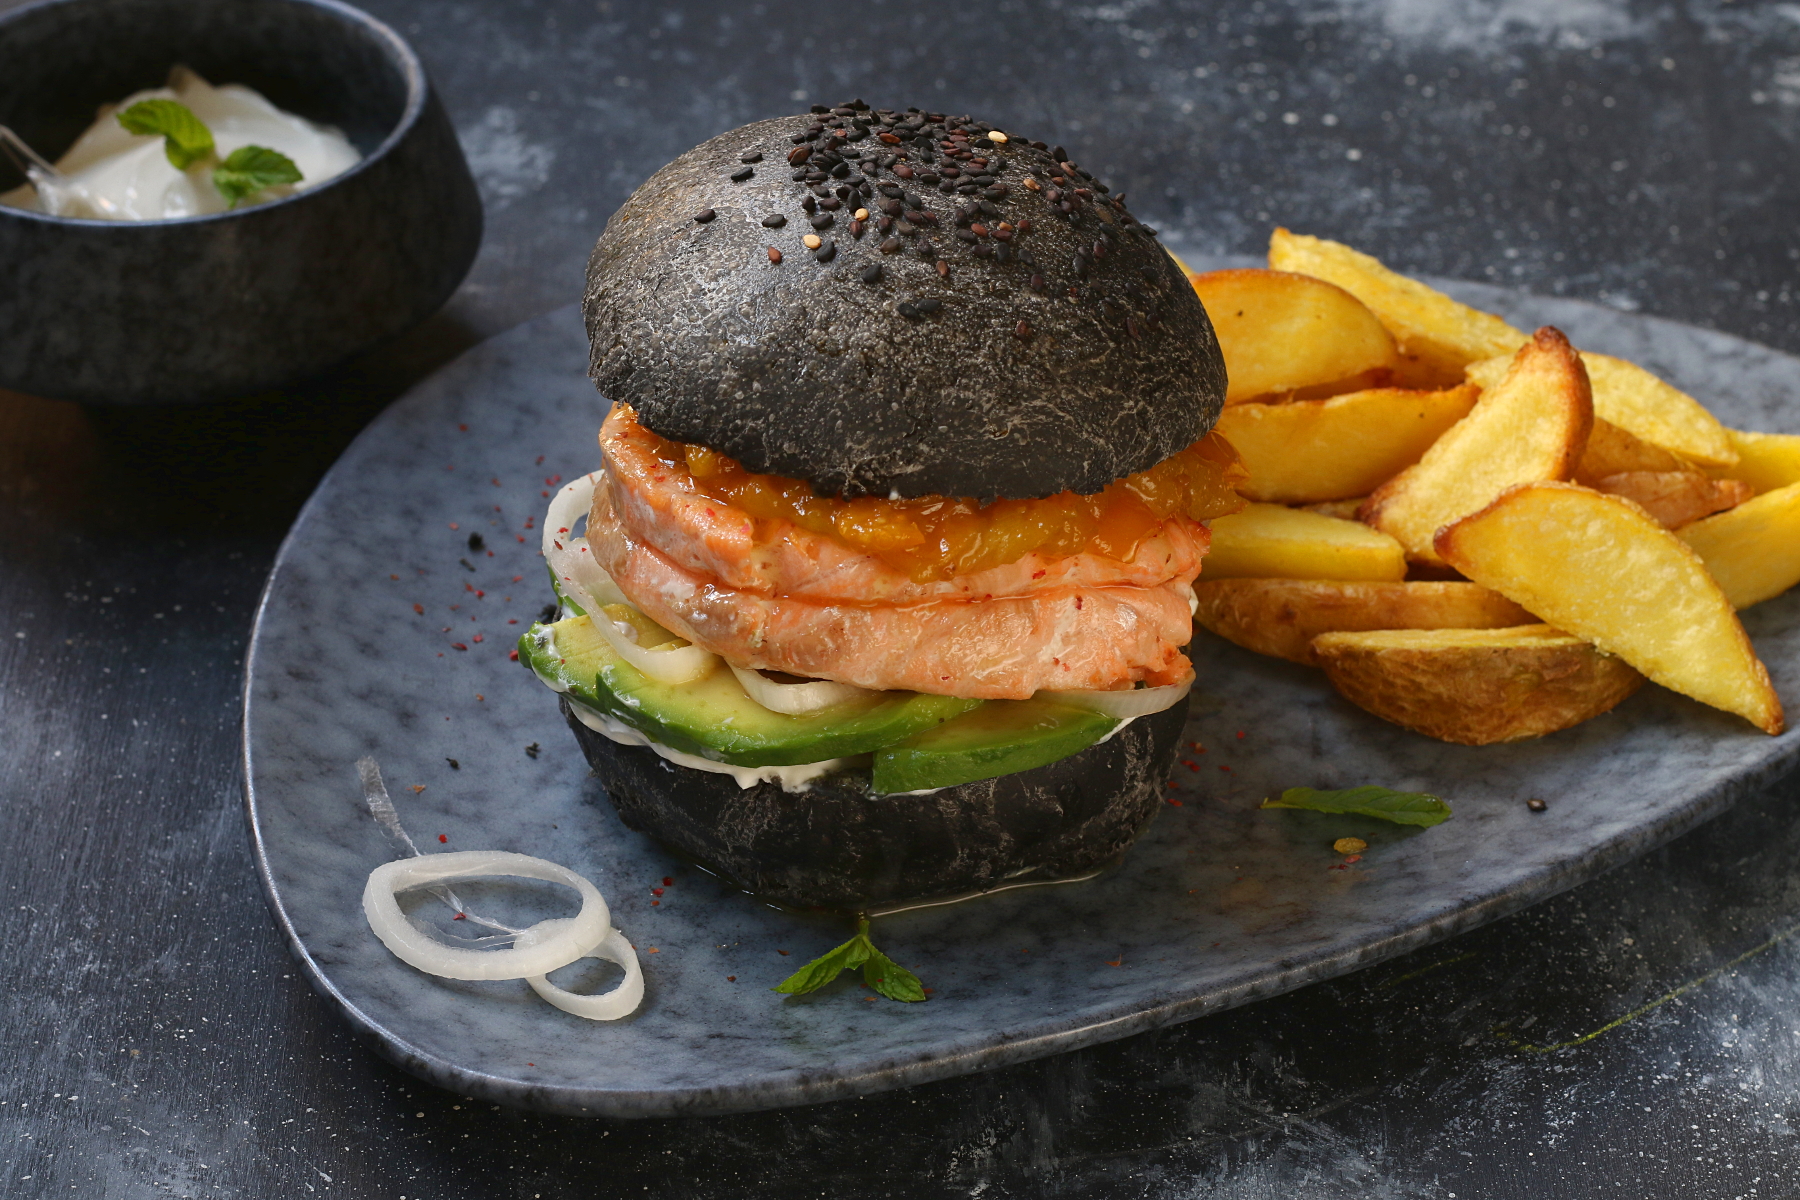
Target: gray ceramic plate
point(1219, 904)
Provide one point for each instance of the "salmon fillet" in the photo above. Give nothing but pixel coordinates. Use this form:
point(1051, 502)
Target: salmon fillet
point(710, 538)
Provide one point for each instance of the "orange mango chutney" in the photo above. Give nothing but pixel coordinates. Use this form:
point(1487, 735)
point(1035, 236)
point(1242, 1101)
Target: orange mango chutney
point(933, 538)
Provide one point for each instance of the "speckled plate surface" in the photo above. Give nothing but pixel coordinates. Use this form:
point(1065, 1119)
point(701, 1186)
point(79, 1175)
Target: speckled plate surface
point(385, 631)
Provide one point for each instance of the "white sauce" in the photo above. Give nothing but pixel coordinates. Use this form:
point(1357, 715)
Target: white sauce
point(114, 175)
point(796, 778)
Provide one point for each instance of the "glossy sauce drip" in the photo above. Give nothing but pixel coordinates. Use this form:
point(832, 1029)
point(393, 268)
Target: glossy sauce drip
point(934, 538)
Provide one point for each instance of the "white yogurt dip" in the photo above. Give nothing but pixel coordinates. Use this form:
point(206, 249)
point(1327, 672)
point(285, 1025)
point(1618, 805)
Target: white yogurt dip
point(115, 175)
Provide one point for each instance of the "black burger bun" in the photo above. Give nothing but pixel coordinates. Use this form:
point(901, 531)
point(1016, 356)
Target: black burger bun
point(839, 845)
point(1009, 330)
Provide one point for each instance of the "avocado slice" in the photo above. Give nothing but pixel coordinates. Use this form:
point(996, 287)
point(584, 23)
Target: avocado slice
point(713, 717)
point(1002, 737)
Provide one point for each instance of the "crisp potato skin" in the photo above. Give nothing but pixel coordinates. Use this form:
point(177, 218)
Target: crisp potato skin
point(1281, 617)
point(1506, 686)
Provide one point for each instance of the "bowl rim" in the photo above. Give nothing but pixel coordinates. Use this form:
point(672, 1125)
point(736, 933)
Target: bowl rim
point(417, 92)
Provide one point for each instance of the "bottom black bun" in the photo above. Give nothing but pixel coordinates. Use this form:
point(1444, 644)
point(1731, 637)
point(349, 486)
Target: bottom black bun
point(839, 845)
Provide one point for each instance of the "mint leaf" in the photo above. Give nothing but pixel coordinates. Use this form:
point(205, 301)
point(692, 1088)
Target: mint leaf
point(1402, 808)
point(250, 169)
point(879, 971)
point(185, 136)
point(822, 970)
point(891, 979)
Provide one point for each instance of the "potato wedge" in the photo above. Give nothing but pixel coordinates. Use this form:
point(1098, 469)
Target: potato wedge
point(1345, 509)
point(1280, 332)
point(1753, 551)
point(1601, 568)
point(1267, 541)
point(1476, 686)
point(1530, 426)
point(1613, 451)
point(1281, 617)
point(1766, 461)
point(1437, 336)
point(1676, 498)
point(1312, 450)
point(1638, 402)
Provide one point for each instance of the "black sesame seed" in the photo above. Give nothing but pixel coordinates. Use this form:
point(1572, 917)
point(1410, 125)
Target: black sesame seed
point(844, 191)
point(1022, 331)
point(929, 305)
point(1038, 284)
point(809, 204)
point(774, 221)
point(989, 207)
point(740, 176)
point(968, 235)
point(705, 215)
point(1059, 154)
point(892, 246)
point(1003, 253)
point(827, 250)
point(907, 309)
point(754, 156)
point(819, 108)
point(948, 188)
point(822, 221)
point(841, 171)
point(1080, 264)
point(905, 228)
point(984, 250)
point(1536, 805)
point(798, 176)
point(872, 274)
point(830, 203)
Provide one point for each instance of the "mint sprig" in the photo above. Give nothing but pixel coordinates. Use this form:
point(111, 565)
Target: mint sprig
point(185, 137)
point(249, 169)
point(186, 140)
point(1386, 804)
point(880, 972)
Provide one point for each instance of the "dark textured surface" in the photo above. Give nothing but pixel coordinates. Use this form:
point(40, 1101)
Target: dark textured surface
point(837, 845)
point(157, 312)
point(809, 368)
point(136, 920)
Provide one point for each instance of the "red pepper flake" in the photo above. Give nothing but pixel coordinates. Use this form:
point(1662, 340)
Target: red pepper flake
point(1240, 734)
point(460, 917)
point(653, 950)
point(495, 482)
point(1190, 764)
point(1116, 962)
point(1171, 783)
point(783, 953)
point(454, 525)
point(1354, 858)
point(653, 904)
point(462, 429)
point(393, 577)
point(930, 991)
point(479, 696)
point(479, 594)
point(1225, 768)
point(540, 460)
point(668, 882)
point(417, 788)
point(512, 656)
point(443, 837)
point(1174, 801)
point(516, 578)
point(1197, 746)
point(419, 608)
point(656, 891)
point(476, 638)
point(458, 646)
point(731, 979)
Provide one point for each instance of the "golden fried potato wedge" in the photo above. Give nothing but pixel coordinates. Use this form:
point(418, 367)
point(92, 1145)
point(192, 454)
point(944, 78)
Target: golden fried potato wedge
point(1280, 332)
point(1601, 568)
point(1281, 617)
point(1532, 425)
point(1766, 461)
point(1476, 686)
point(1345, 509)
point(1613, 451)
point(1311, 450)
point(1437, 336)
point(1638, 402)
point(1676, 498)
point(1753, 551)
point(1267, 541)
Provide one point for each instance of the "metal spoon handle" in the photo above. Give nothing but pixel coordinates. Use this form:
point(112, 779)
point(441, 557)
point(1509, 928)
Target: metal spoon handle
point(23, 156)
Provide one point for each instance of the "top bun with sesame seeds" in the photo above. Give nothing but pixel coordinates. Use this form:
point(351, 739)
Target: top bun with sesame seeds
point(899, 304)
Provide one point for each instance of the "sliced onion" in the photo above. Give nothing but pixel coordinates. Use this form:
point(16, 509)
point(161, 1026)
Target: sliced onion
point(795, 699)
point(1124, 705)
point(578, 575)
point(576, 938)
point(681, 664)
point(621, 1001)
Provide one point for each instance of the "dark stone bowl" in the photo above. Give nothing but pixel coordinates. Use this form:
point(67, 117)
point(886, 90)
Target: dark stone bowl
point(840, 845)
point(200, 308)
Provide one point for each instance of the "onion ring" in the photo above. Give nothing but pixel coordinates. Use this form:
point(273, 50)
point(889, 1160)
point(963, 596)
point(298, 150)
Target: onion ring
point(1125, 704)
point(794, 699)
point(572, 566)
point(580, 936)
point(678, 664)
point(621, 1001)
